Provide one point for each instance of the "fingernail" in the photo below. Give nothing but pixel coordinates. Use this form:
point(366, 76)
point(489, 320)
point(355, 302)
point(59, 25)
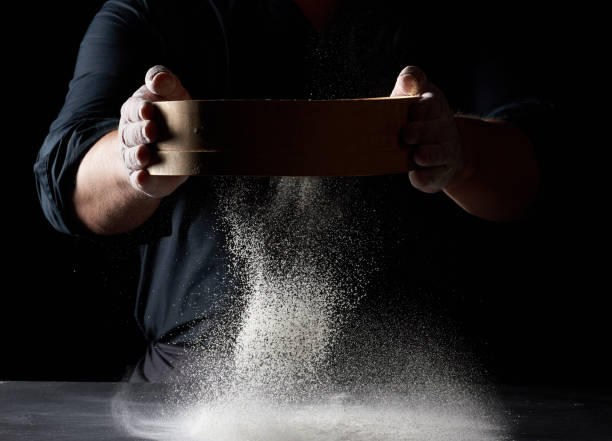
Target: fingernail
point(153, 72)
point(410, 85)
point(164, 85)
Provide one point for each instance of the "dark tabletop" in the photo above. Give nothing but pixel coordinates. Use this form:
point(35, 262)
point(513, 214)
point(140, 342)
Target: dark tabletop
point(83, 411)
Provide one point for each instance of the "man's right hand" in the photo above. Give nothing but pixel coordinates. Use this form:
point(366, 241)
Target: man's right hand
point(137, 129)
point(113, 192)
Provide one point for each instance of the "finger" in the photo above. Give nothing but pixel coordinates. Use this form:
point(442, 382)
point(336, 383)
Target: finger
point(137, 109)
point(141, 181)
point(429, 106)
point(432, 104)
point(434, 155)
point(136, 133)
point(427, 132)
point(155, 186)
point(144, 93)
point(136, 158)
point(411, 81)
point(136, 180)
point(430, 179)
point(165, 84)
point(410, 164)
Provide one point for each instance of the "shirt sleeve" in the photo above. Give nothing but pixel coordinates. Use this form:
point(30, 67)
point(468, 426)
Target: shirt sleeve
point(113, 57)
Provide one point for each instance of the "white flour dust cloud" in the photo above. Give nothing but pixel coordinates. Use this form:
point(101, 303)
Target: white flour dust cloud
point(297, 358)
point(299, 284)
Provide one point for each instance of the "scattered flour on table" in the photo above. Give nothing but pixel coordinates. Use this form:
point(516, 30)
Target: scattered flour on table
point(296, 359)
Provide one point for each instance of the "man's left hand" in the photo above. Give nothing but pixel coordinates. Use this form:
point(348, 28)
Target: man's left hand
point(430, 133)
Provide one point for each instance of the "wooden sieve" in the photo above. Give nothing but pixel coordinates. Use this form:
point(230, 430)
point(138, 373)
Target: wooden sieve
point(348, 137)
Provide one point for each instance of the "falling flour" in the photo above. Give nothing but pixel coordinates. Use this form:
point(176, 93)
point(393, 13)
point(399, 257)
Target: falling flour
point(296, 359)
point(290, 252)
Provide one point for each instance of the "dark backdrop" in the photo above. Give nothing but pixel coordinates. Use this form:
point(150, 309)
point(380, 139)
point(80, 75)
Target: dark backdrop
point(67, 303)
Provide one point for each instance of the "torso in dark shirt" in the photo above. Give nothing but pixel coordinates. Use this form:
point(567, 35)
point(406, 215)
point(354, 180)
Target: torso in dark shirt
point(268, 49)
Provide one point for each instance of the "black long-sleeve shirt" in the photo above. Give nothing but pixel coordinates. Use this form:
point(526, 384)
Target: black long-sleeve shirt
point(267, 49)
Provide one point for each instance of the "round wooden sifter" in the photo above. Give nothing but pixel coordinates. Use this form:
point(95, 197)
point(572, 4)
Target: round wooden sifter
point(349, 137)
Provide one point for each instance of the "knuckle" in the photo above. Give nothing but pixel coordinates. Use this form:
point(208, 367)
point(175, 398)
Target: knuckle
point(141, 136)
point(124, 108)
point(128, 135)
point(136, 113)
point(122, 130)
point(138, 109)
point(132, 159)
point(141, 92)
point(129, 158)
point(129, 110)
point(123, 153)
point(132, 134)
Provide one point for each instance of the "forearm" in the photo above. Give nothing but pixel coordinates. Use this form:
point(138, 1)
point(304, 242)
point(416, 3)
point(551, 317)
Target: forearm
point(501, 176)
point(103, 199)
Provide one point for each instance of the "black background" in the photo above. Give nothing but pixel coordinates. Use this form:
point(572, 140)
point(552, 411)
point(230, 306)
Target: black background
point(67, 303)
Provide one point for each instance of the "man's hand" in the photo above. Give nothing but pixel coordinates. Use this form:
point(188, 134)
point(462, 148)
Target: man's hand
point(137, 129)
point(430, 132)
point(113, 192)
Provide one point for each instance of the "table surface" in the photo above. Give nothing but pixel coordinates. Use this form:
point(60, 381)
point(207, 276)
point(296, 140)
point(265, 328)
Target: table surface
point(82, 411)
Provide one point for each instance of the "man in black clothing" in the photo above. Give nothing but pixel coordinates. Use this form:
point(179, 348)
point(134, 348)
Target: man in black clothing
point(91, 171)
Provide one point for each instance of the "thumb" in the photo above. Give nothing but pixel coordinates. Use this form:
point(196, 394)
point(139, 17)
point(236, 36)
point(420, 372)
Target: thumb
point(411, 81)
point(165, 84)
